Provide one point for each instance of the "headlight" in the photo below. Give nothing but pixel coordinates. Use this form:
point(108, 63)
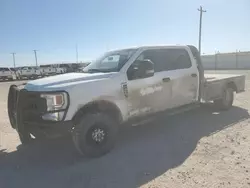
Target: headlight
point(55, 101)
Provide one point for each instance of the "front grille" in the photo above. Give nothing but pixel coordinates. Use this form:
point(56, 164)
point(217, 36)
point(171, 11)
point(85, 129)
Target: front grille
point(29, 104)
point(33, 101)
point(34, 105)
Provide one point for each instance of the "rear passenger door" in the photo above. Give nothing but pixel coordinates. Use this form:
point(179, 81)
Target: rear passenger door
point(184, 77)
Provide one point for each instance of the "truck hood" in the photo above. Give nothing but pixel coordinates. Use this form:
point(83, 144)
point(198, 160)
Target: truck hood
point(60, 82)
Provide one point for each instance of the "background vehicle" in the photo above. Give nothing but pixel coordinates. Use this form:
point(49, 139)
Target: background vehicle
point(48, 70)
point(123, 85)
point(29, 72)
point(65, 66)
point(7, 73)
point(15, 71)
point(81, 66)
point(59, 69)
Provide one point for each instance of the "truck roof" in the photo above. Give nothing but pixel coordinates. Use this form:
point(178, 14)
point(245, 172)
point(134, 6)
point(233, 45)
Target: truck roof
point(151, 46)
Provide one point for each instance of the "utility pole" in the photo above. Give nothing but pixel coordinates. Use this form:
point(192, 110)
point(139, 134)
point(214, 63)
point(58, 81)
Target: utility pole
point(76, 53)
point(14, 59)
point(201, 12)
point(35, 57)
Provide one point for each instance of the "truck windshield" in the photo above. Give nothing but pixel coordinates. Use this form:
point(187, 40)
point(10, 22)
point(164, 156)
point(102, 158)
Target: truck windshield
point(110, 62)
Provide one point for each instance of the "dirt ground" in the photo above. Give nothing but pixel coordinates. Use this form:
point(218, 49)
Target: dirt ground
point(200, 148)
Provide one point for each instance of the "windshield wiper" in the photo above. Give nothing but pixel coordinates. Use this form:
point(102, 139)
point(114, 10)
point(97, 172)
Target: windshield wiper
point(99, 70)
point(95, 70)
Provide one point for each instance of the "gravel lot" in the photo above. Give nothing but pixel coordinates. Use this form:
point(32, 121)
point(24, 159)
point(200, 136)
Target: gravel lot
point(200, 148)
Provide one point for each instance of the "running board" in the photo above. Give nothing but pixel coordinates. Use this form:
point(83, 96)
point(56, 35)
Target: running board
point(179, 110)
point(183, 109)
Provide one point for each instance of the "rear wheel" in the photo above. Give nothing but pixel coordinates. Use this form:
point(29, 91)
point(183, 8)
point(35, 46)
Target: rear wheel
point(95, 134)
point(227, 99)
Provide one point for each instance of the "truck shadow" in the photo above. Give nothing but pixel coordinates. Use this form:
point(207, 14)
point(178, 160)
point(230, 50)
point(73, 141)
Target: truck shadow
point(142, 154)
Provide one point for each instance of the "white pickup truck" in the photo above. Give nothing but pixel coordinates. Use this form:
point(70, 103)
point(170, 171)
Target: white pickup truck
point(122, 85)
point(7, 73)
point(48, 70)
point(29, 72)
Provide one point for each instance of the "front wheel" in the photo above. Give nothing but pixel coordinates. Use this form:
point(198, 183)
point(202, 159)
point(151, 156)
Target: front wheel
point(227, 99)
point(95, 134)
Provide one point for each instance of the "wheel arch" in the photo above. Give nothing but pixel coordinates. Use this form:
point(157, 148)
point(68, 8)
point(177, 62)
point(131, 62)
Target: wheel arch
point(104, 106)
point(232, 85)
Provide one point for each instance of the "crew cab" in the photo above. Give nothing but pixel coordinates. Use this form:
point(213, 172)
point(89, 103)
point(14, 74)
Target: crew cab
point(7, 73)
point(29, 72)
point(121, 86)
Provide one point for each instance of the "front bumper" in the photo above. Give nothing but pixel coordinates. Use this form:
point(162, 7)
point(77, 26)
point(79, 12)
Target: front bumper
point(26, 108)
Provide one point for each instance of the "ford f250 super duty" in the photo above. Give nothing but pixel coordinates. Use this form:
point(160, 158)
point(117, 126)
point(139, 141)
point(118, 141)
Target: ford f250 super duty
point(120, 86)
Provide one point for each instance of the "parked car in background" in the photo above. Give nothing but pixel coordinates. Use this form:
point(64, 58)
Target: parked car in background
point(29, 73)
point(48, 70)
point(7, 73)
point(81, 66)
point(60, 70)
point(14, 71)
point(65, 66)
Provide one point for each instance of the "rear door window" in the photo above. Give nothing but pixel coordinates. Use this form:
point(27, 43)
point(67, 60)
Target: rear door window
point(167, 59)
point(180, 59)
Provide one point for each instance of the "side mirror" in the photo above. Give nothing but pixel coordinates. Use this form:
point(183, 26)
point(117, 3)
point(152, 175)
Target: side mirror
point(141, 69)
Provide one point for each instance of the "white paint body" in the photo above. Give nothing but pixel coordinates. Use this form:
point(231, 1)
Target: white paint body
point(46, 71)
point(29, 71)
point(60, 70)
point(7, 73)
point(145, 96)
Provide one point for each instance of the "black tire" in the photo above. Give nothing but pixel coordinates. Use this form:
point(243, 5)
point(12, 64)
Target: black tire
point(86, 129)
point(227, 99)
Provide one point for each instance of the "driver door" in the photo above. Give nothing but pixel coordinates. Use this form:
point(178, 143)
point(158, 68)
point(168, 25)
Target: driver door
point(151, 94)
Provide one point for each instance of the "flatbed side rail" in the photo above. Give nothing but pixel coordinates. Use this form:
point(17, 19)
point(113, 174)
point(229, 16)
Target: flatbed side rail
point(213, 88)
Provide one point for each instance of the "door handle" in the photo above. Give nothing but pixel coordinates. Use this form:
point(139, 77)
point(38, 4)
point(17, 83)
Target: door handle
point(166, 79)
point(194, 75)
